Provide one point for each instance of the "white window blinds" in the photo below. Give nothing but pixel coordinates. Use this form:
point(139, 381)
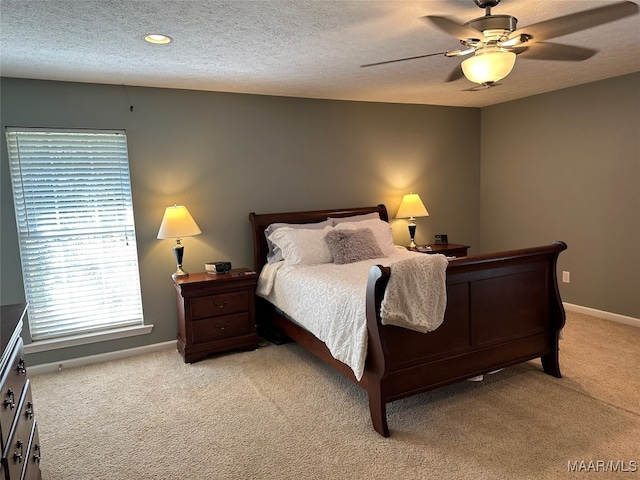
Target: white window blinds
point(74, 215)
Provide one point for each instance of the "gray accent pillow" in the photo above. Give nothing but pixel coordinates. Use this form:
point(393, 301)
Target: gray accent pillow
point(349, 246)
point(275, 254)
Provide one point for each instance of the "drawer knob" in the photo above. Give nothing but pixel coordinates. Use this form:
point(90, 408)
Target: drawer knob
point(10, 401)
point(28, 412)
point(20, 367)
point(17, 457)
point(220, 305)
point(36, 455)
point(221, 326)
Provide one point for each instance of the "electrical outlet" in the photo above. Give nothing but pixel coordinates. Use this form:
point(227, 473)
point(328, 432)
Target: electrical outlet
point(566, 277)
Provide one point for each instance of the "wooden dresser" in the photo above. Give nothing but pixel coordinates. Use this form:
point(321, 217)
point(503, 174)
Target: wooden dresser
point(18, 426)
point(216, 313)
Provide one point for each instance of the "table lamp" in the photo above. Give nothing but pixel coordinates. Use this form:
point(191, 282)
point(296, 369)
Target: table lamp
point(411, 207)
point(178, 223)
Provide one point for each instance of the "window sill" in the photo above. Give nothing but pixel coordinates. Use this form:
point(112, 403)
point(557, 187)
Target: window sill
point(56, 343)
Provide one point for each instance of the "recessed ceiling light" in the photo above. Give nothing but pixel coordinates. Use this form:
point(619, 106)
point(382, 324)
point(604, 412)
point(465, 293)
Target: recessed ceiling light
point(157, 38)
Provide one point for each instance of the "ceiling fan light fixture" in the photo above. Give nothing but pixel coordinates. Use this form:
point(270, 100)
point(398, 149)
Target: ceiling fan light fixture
point(488, 66)
point(515, 41)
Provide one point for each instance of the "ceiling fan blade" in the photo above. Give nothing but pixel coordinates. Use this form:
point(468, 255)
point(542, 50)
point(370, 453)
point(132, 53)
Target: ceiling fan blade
point(402, 59)
point(459, 53)
point(455, 74)
point(555, 51)
point(461, 32)
point(575, 22)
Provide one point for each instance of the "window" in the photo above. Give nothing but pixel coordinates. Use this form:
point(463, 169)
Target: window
point(74, 216)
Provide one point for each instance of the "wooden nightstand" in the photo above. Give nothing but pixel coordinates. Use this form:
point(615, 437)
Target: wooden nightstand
point(216, 313)
point(449, 249)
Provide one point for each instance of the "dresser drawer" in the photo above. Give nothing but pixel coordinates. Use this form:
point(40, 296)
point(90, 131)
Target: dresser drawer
point(218, 328)
point(13, 380)
point(15, 454)
point(221, 304)
point(32, 463)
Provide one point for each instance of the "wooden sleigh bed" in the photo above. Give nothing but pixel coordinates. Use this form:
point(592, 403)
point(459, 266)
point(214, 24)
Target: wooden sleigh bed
point(502, 309)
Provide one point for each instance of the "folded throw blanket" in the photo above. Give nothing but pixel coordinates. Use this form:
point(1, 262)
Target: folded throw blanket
point(416, 295)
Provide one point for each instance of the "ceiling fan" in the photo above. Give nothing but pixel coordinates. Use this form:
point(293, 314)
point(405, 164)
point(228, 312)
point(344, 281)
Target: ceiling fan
point(494, 40)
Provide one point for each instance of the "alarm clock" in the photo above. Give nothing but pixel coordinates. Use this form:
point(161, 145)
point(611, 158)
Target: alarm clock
point(442, 240)
point(217, 267)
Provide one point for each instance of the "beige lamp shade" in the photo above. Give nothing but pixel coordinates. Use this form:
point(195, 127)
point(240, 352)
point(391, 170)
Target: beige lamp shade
point(412, 206)
point(177, 223)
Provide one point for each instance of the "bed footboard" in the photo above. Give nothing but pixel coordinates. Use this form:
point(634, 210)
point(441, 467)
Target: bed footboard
point(502, 309)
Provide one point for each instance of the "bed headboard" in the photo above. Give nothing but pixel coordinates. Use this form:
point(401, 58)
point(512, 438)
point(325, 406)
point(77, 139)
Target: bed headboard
point(259, 222)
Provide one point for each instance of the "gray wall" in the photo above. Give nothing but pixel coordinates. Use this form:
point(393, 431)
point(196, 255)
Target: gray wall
point(566, 166)
point(225, 155)
point(563, 165)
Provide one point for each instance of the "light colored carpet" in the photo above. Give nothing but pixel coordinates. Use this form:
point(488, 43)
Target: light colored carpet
point(278, 413)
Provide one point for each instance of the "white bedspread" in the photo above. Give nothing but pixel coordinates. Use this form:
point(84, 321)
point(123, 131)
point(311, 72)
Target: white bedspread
point(329, 301)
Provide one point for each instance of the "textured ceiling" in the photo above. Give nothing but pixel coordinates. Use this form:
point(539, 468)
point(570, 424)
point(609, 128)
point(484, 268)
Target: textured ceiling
point(311, 48)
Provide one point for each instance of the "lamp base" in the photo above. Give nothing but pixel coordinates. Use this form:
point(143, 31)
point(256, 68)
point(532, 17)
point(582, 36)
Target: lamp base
point(179, 273)
point(412, 232)
point(178, 251)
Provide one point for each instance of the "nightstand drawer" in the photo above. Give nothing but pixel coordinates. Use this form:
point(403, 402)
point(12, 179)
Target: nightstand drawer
point(222, 304)
point(221, 327)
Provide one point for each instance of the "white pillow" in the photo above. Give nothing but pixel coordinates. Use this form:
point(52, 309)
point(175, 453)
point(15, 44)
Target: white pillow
point(381, 230)
point(301, 246)
point(355, 218)
point(274, 254)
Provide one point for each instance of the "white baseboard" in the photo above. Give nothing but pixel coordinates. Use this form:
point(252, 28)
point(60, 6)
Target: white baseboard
point(103, 357)
point(86, 338)
point(615, 317)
